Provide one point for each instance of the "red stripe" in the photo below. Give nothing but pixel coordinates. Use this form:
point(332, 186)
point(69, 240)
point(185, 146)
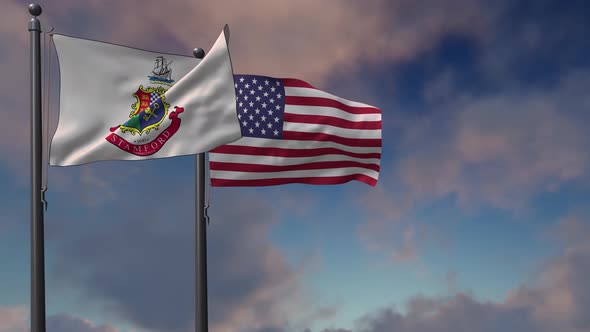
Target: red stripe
point(332, 121)
point(295, 83)
point(307, 180)
point(280, 152)
point(257, 168)
point(327, 102)
point(321, 137)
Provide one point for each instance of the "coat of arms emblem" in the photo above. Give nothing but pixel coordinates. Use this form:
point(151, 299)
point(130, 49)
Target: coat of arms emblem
point(148, 112)
point(141, 135)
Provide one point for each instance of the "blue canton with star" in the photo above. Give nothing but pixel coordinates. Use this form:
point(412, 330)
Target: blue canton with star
point(260, 105)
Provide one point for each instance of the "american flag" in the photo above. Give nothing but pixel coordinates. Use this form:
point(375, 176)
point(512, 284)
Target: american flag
point(295, 133)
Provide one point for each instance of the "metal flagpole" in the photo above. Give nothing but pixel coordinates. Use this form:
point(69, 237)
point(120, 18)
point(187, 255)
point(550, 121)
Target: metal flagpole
point(201, 313)
point(37, 241)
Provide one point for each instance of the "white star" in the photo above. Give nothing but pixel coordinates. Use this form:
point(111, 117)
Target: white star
point(251, 104)
point(263, 118)
point(269, 125)
point(279, 96)
point(257, 124)
point(276, 119)
point(247, 85)
point(245, 97)
point(251, 130)
point(266, 82)
point(260, 88)
point(272, 101)
point(251, 92)
point(239, 116)
point(263, 105)
point(254, 81)
point(245, 110)
point(241, 79)
point(270, 112)
point(266, 94)
point(251, 117)
point(241, 104)
point(278, 107)
point(272, 89)
point(263, 131)
point(257, 98)
point(278, 83)
point(245, 123)
point(236, 85)
point(276, 132)
point(241, 91)
point(257, 111)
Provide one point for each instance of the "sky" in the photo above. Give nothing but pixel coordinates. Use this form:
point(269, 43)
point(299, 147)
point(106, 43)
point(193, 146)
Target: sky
point(479, 221)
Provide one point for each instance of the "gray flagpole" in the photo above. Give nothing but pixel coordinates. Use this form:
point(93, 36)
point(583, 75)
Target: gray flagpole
point(37, 241)
point(201, 313)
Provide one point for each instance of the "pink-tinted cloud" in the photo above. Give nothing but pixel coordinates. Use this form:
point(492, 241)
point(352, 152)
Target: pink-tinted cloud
point(13, 319)
point(307, 38)
point(390, 228)
point(95, 184)
point(16, 319)
point(499, 150)
point(250, 279)
point(556, 299)
point(560, 295)
point(69, 323)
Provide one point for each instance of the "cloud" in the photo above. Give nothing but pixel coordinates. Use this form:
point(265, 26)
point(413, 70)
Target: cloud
point(561, 296)
point(498, 150)
point(320, 35)
point(390, 227)
point(250, 279)
point(137, 261)
point(556, 299)
point(15, 319)
point(459, 313)
point(502, 149)
point(96, 184)
point(69, 323)
point(533, 43)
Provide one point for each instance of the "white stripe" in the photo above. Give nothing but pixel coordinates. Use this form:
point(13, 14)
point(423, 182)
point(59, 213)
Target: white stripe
point(283, 161)
point(325, 129)
point(331, 111)
point(229, 175)
point(307, 92)
point(292, 144)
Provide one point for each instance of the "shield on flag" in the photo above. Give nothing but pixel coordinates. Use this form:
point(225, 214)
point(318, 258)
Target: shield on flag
point(148, 112)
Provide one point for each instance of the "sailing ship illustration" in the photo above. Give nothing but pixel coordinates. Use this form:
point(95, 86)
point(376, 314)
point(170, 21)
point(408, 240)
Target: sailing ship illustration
point(162, 72)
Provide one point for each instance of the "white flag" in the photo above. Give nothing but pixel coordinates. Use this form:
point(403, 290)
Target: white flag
point(121, 103)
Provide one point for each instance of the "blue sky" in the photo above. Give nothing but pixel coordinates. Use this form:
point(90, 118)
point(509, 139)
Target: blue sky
point(478, 222)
